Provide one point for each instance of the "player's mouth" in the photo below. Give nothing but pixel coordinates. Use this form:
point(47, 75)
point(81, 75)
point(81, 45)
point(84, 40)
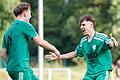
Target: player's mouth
point(83, 30)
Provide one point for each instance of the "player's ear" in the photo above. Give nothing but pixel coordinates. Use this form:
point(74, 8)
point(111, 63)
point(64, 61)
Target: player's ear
point(24, 13)
point(91, 25)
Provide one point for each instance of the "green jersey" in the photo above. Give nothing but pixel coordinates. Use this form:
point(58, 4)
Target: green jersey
point(16, 42)
point(96, 53)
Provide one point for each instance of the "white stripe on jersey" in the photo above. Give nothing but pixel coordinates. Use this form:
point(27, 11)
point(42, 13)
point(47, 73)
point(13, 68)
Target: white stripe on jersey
point(107, 76)
point(98, 39)
point(20, 76)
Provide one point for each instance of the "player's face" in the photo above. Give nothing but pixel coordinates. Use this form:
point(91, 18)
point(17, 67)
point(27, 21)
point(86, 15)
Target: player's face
point(86, 27)
point(28, 15)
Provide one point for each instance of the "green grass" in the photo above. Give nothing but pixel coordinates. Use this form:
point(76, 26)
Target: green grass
point(78, 71)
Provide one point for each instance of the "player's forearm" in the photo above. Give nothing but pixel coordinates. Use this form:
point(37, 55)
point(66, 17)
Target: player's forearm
point(4, 55)
point(44, 44)
point(48, 46)
point(68, 55)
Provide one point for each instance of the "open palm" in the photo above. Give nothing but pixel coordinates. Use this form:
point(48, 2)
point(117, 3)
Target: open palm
point(51, 57)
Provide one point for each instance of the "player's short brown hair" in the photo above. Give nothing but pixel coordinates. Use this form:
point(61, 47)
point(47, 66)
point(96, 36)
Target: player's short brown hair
point(20, 8)
point(87, 18)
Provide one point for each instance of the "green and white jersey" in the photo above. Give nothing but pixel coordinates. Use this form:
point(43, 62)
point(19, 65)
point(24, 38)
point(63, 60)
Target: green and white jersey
point(16, 42)
point(96, 53)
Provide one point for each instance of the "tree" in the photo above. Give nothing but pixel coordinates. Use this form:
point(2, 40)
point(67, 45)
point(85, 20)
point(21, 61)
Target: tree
point(61, 21)
point(6, 15)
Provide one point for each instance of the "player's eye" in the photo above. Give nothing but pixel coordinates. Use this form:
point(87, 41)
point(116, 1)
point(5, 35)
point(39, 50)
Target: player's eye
point(82, 24)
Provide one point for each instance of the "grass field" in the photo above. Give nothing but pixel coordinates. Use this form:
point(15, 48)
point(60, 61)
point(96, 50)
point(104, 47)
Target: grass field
point(77, 71)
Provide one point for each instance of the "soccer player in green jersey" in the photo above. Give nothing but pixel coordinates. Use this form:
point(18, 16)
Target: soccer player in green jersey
point(95, 48)
point(15, 44)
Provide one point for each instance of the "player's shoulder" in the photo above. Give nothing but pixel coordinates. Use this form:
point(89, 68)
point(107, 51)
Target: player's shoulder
point(84, 39)
point(24, 23)
point(101, 36)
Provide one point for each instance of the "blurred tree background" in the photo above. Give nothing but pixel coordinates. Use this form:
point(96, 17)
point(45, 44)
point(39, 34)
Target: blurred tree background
point(6, 15)
point(61, 21)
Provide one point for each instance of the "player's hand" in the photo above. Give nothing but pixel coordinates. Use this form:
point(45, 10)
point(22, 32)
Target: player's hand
point(51, 57)
point(113, 41)
point(56, 52)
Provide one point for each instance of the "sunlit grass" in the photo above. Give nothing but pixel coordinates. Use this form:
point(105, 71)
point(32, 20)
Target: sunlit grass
point(3, 74)
point(78, 71)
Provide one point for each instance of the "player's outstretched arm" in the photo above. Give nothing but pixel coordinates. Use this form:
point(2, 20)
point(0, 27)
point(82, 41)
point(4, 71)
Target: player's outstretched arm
point(47, 45)
point(113, 42)
point(52, 56)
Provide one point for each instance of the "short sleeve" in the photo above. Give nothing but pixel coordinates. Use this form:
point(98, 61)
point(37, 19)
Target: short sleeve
point(78, 51)
point(30, 31)
point(106, 39)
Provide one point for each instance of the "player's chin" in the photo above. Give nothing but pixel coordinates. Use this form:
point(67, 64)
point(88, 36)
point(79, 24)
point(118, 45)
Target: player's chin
point(84, 34)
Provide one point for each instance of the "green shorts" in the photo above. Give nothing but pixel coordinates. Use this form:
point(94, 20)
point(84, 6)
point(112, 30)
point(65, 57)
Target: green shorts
point(26, 75)
point(104, 75)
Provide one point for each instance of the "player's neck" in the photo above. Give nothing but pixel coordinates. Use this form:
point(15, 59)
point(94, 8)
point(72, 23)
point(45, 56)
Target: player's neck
point(21, 18)
point(91, 34)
